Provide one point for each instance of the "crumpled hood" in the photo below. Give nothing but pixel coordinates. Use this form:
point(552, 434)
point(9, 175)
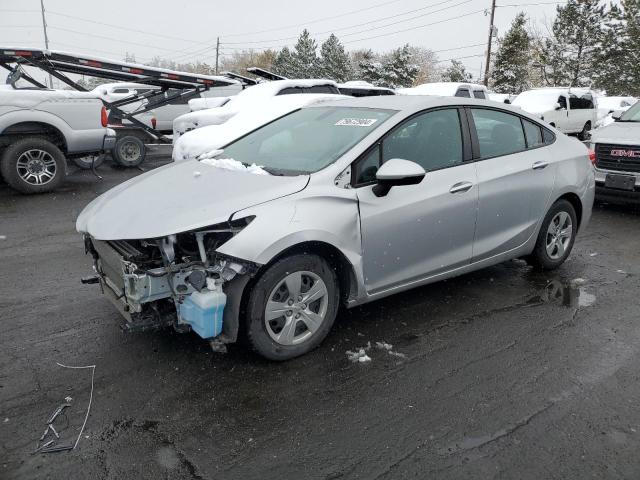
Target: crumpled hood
point(177, 198)
point(626, 133)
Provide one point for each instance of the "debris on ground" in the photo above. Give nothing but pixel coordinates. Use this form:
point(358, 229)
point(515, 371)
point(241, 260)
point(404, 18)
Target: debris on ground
point(578, 281)
point(51, 436)
point(593, 254)
point(621, 272)
point(383, 346)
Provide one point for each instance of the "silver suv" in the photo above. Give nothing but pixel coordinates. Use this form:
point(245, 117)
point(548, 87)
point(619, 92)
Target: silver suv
point(344, 202)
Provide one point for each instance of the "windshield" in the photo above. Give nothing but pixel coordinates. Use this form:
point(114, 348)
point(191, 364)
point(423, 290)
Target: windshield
point(306, 140)
point(631, 115)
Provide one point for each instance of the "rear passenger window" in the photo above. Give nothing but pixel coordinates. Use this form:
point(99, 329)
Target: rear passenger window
point(499, 133)
point(547, 136)
point(479, 94)
point(533, 133)
point(463, 92)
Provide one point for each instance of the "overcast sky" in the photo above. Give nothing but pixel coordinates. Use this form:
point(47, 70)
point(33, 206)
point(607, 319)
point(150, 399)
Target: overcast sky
point(187, 30)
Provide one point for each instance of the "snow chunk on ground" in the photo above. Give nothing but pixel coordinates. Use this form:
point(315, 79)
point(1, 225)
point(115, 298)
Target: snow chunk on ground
point(578, 281)
point(384, 346)
point(231, 164)
point(359, 356)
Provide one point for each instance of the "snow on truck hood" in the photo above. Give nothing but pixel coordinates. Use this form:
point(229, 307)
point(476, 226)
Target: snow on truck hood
point(177, 198)
point(627, 133)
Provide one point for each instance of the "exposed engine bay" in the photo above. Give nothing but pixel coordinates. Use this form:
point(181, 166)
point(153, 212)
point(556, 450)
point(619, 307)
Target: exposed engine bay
point(179, 280)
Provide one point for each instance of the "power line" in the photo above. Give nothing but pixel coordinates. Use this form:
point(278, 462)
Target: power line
point(365, 23)
point(416, 27)
point(529, 4)
point(333, 17)
point(111, 38)
point(58, 14)
point(460, 58)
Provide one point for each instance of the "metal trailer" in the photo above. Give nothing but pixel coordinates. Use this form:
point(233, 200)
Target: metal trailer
point(132, 137)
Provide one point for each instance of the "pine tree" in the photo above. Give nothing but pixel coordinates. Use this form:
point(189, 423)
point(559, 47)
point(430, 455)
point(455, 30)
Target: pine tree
point(334, 61)
point(456, 73)
point(569, 55)
point(511, 66)
point(305, 62)
point(398, 71)
point(370, 68)
point(283, 63)
point(618, 59)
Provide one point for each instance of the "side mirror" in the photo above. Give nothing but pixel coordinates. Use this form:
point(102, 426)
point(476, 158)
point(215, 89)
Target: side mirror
point(507, 101)
point(397, 172)
point(616, 115)
point(557, 107)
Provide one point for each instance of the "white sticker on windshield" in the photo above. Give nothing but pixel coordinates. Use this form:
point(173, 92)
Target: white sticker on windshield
point(357, 122)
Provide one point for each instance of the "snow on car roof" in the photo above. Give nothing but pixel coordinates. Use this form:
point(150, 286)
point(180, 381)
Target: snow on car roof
point(439, 88)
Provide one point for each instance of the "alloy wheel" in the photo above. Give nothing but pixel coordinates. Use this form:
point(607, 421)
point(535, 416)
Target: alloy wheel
point(559, 235)
point(296, 308)
point(36, 167)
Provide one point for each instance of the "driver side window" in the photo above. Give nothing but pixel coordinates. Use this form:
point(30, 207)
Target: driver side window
point(432, 139)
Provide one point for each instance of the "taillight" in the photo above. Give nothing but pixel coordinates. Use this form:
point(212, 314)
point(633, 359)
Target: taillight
point(153, 122)
point(104, 118)
point(592, 156)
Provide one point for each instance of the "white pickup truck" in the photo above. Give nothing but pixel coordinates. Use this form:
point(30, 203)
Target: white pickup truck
point(39, 128)
point(570, 110)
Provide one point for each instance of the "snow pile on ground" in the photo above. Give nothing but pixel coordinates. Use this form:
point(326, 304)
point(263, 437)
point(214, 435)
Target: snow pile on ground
point(231, 164)
point(387, 347)
point(359, 356)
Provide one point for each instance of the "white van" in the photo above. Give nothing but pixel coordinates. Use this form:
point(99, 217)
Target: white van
point(570, 110)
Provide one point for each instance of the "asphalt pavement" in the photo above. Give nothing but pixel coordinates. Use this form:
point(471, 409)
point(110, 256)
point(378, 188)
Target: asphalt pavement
point(500, 374)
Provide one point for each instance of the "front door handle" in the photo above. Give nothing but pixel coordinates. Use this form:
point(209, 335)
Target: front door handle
point(540, 165)
point(461, 187)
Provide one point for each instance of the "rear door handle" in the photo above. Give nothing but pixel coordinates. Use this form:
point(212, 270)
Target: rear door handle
point(461, 187)
point(540, 165)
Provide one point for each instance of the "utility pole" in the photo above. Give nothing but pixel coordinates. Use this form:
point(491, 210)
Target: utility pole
point(217, 53)
point(488, 60)
point(46, 38)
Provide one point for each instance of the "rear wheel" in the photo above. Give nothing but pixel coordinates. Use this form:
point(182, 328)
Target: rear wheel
point(33, 165)
point(88, 162)
point(129, 151)
point(292, 307)
point(556, 237)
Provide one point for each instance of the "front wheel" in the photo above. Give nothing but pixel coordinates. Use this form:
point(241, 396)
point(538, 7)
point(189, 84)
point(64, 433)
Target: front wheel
point(292, 307)
point(556, 237)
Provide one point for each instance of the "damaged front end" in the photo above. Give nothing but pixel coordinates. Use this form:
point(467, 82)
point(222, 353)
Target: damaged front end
point(179, 280)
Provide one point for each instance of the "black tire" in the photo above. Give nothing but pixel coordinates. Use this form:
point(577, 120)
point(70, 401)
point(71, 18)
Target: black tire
point(255, 326)
point(584, 134)
point(85, 162)
point(28, 177)
point(540, 257)
point(129, 151)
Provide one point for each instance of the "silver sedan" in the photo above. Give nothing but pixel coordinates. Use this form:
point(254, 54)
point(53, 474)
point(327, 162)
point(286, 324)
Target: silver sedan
point(341, 203)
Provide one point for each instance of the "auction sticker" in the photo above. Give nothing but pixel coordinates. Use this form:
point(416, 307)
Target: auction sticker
point(357, 122)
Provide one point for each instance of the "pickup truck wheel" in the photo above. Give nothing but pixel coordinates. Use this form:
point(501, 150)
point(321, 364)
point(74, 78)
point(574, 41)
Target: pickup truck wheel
point(86, 162)
point(556, 237)
point(292, 307)
point(584, 134)
point(129, 151)
point(33, 165)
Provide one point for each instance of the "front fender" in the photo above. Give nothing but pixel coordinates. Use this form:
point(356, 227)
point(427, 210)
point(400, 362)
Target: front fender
point(310, 216)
